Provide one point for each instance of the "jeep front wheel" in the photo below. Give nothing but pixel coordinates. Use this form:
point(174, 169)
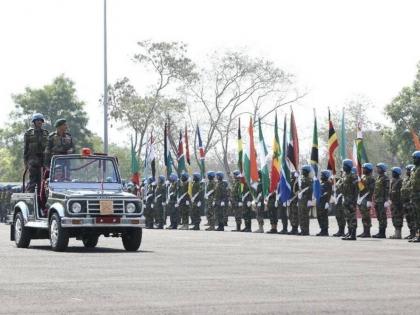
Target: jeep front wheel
point(131, 239)
point(59, 237)
point(22, 233)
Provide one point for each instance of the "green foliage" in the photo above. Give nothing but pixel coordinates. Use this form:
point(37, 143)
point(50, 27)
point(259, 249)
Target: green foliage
point(404, 111)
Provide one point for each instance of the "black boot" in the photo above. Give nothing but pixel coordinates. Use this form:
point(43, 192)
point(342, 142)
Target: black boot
point(340, 232)
point(323, 232)
point(293, 231)
point(381, 233)
point(238, 227)
point(273, 229)
point(196, 227)
point(351, 237)
point(221, 227)
point(366, 232)
point(411, 235)
point(247, 227)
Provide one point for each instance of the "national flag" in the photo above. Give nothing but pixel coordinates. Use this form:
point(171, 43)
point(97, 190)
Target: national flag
point(150, 164)
point(293, 146)
point(166, 152)
point(359, 154)
point(250, 159)
point(332, 144)
point(201, 153)
point(180, 156)
point(263, 155)
point(315, 162)
point(187, 157)
point(135, 176)
point(275, 161)
point(240, 148)
point(285, 189)
point(343, 153)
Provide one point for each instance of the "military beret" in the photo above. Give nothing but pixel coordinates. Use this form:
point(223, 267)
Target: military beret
point(59, 122)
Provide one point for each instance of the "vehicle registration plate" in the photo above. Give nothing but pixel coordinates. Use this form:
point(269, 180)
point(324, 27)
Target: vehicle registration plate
point(106, 207)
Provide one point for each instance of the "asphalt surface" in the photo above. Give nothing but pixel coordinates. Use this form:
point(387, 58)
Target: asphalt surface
point(197, 272)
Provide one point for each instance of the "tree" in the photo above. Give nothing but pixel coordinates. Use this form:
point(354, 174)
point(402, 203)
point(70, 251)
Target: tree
point(236, 84)
point(404, 111)
point(169, 68)
point(54, 100)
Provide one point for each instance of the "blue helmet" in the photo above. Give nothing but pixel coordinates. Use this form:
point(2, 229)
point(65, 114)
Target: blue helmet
point(173, 177)
point(306, 168)
point(150, 180)
point(396, 170)
point(409, 167)
point(211, 175)
point(325, 174)
point(220, 175)
point(196, 177)
point(236, 173)
point(37, 116)
point(368, 166)
point(382, 166)
point(347, 164)
point(161, 179)
point(184, 176)
point(416, 155)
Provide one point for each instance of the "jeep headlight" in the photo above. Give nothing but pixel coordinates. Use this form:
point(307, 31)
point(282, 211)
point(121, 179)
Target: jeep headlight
point(76, 207)
point(130, 207)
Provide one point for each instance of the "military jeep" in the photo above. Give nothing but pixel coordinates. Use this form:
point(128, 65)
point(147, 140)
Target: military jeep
point(80, 197)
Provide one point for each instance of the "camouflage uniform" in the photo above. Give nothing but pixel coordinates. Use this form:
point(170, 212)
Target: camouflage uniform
point(236, 200)
point(35, 142)
point(293, 206)
point(408, 208)
point(380, 196)
point(159, 200)
point(58, 144)
point(322, 212)
point(220, 200)
point(272, 207)
point(184, 201)
point(260, 204)
point(350, 190)
point(247, 207)
point(211, 185)
point(148, 211)
point(197, 203)
point(339, 208)
point(282, 208)
point(396, 204)
point(304, 195)
point(365, 196)
point(228, 206)
point(171, 205)
point(415, 194)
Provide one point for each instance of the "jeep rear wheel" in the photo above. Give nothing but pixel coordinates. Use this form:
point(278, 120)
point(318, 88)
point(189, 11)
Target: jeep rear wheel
point(90, 241)
point(131, 239)
point(21, 233)
point(59, 237)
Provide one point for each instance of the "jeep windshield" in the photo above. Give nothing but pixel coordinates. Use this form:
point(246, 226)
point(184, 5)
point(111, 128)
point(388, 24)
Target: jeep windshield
point(84, 170)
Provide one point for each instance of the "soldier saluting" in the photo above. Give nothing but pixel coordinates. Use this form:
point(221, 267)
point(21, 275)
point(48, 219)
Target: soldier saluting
point(59, 142)
point(35, 142)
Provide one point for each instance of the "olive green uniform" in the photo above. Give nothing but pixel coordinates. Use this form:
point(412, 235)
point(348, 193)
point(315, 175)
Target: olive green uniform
point(322, 209)
point(339, 207)
point(35, 142)
point(304, 195)
point(273, 210)
point(408, 208)
point(365, 196)
point(171, 205)
point(415, 193)
point(380, 196)
point(396, 204)
point(236, 200)
point(197, 201)
point(260, 204)
point(184, 202)
point(293, 204)
point(211, 185)
point(247, 205)
point(148, 211)
point(220, 200)
point(159, 201)
point(58, 144)
point(350, 190)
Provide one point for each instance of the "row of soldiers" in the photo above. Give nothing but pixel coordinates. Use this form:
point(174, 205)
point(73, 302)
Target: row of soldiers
point(181, 201)
point(6, 192)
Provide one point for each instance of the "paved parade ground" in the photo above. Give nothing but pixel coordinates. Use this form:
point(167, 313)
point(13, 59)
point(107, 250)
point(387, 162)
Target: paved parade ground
point(196, 272)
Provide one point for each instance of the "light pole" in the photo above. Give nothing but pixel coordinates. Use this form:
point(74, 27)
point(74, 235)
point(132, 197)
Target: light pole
point(105, 87)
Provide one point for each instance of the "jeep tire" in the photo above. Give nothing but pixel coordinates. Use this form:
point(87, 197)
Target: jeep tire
point(90, 241)
point(21, 233)
point(131, 239)
point(59, 237)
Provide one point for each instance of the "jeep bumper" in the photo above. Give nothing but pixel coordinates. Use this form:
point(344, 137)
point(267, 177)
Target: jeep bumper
point(67, 222)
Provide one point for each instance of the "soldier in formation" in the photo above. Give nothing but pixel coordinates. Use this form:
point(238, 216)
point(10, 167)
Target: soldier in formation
point(350, 192)
point(293, 205)
point(396, 204)
point(236, 199)
point(415, 192)
point(364, 200)
point(322, 209)
point(149, 193)
point(171, 202)
point(211, 185)
point(259, 204)
point(408, 208)
point(197, 201)
point(220, 201)
point(305, 199)
point(381, 196)
point(183, 201)
point(159, 202)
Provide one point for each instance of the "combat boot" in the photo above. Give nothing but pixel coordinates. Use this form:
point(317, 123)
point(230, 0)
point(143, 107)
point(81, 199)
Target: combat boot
point(160, 226)
point(184, 227)
point(238, 227)
point(247, 227)
point(397, 235)
point(365, 233)
point(260, 228)
point(416, 238)
point(340, 232)
point(351, 236)
point(293, 231)
point(411, 235)
point(381, 233)
point(273, 229)
point(221, 227)
point(210, 228)
point(284, 230)
point(196, 227)
point(323, 232)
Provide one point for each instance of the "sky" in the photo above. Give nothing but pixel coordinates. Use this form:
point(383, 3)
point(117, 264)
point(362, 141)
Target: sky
point(338, 50)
